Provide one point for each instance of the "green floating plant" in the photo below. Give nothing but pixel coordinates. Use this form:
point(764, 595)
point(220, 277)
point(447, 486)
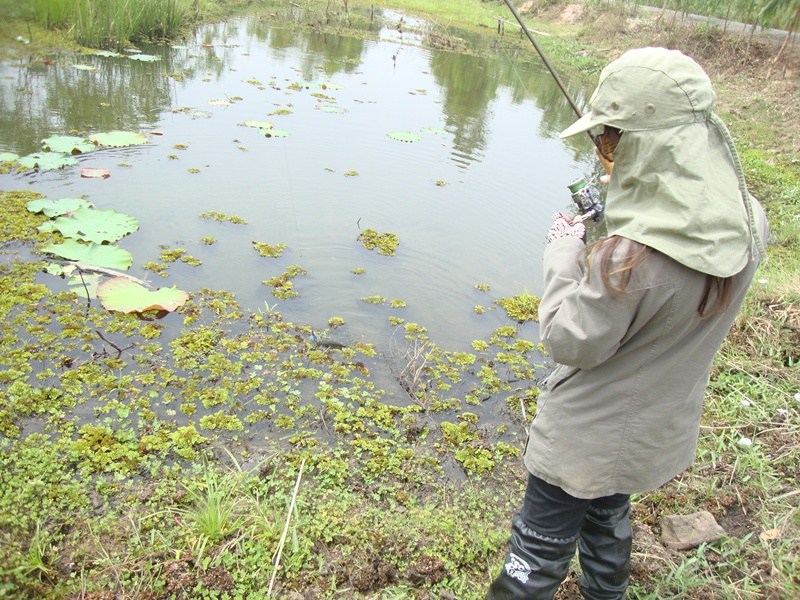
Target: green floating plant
point(56, 208)
point(8, 157)
point(121, 294)
point(118, 139)
point(98, 255)
point(145, 57)
point(46, 161)
point(67, 144)
point(385, 243)
point(258, 124)
point(522, 307)
point(93, 225)
point(404, 136)
point(269, 250)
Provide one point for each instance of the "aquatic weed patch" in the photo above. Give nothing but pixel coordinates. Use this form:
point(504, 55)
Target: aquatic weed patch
point(129, 413)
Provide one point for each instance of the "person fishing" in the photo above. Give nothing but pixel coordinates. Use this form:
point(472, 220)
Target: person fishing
point(632, 321)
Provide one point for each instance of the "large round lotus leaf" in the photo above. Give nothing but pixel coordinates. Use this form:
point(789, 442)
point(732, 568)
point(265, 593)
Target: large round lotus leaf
point(56, 208)
point(68, 144)
point(123, 295)
point(258, 124)
point(275, 133)
point(45, 161)
point(404, 136)
point(93, 225)
point(107, 53)
point(84, 67)
point(118, 139)
point(144, 57)
point(92, 254)
point(8, 157)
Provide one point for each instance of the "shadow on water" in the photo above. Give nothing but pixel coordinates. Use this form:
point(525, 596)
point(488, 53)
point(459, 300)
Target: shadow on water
point(470, 201)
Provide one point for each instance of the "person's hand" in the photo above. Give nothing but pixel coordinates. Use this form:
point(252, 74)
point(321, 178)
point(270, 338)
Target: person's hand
point(563, 227)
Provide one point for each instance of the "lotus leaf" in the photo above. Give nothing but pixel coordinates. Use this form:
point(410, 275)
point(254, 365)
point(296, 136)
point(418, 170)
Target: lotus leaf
point(404, 136)
point(93, 254)
point(8, 157)
point(123, 295)
point(68, 144)
point(258, 124)
point(84, 67)
point(107, 53)
point(144, 57)
point(55, 208)
point(93, 225)
point(46, 161)
point(118, 139)
point(276, 133)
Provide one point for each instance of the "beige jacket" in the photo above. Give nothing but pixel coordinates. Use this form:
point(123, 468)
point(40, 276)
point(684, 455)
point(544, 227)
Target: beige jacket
point(621, 412)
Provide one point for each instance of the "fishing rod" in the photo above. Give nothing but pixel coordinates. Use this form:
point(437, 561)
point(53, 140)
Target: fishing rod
point(584, 195)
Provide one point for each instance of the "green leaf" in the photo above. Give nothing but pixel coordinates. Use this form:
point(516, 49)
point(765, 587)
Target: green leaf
point(8, 157)
point(123, 295)
point(93, 254)
point(258, 124)
point(107, 53)
point(67, 144)
point(144, 57)
point(279, 133)
point(118, 139)
point(55, 208)
point(404, 136)
point(93, 225)
point(84, 67)
point(45, 161)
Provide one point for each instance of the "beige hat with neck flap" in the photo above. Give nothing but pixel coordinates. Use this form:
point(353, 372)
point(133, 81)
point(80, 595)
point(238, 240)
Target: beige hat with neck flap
point(677, 183)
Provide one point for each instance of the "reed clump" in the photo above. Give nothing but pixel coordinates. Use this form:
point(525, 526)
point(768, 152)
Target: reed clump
point(112, 24)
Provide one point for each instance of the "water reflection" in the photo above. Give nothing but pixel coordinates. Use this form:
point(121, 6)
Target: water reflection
point(470, 201)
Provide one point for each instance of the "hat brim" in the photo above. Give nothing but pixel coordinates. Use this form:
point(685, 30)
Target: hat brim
point(585, 123)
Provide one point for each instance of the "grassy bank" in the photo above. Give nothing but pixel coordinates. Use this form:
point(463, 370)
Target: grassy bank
point(112, 24)
point(356, 497)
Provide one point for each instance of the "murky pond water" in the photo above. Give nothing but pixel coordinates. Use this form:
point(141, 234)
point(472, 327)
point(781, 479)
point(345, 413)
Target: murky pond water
point(470, 201)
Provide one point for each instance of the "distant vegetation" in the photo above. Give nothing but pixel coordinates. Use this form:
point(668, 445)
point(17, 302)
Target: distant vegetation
point(779, 14)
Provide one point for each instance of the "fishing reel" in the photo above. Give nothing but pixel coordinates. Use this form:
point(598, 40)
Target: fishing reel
point(586, 197)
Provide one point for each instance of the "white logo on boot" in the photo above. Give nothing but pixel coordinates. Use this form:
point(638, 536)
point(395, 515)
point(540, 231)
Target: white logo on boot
point(517, 568)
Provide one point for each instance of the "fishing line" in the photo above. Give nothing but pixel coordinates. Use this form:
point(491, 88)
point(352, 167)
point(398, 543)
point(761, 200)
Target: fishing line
point(291, 201)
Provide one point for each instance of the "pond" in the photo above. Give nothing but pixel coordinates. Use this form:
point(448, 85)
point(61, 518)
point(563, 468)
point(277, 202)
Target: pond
point(456, 155)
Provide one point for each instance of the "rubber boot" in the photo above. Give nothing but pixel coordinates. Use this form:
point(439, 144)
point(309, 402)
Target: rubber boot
point(604, 550)
point(534, 567)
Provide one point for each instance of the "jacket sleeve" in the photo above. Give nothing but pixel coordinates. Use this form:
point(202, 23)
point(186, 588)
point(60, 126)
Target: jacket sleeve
point(580, 323)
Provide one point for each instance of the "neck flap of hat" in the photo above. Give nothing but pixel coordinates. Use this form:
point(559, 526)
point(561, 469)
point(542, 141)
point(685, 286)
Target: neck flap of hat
point(677, 184)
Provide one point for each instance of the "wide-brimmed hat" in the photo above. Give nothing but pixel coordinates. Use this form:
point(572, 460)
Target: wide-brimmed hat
point(648, 88)
point(677, 185)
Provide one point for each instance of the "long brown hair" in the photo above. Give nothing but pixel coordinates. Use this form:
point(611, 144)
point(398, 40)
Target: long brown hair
point(616, 278)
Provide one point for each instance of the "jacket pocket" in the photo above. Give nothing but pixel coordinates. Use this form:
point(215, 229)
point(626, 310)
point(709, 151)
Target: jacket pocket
point(558, 376)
